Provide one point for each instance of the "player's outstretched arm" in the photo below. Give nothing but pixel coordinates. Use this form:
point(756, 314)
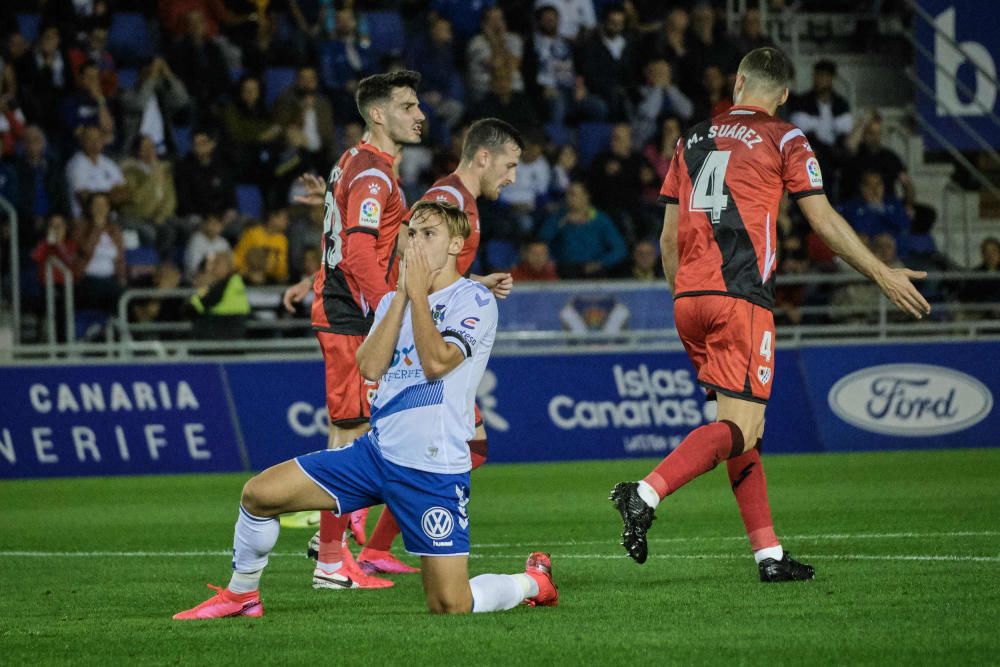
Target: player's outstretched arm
point(437, 357)
point(834, 230)
point(375, 354)
point(499, 283)
point(295, 293)
point(668, 244)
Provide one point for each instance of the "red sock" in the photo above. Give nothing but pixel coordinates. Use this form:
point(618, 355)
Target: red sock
point(385, 532)
point(697, 454)
point(746, 474)
point(331, 533)
point(478, 449)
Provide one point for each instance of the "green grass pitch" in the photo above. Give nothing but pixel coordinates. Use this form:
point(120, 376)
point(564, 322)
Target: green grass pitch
point(906, 548)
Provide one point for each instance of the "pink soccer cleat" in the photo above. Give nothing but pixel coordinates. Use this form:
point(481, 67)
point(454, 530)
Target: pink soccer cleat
point(539, 568)
point(224, 604)
point(347, 576)
point(358, 520)
point(372, 561)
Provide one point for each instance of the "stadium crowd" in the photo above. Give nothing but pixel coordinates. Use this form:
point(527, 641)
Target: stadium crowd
point(160, 144)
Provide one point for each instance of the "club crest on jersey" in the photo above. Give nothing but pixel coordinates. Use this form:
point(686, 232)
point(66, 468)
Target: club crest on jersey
point(437, 313)
point(763, 374)
point(371, 212)
point(815, 176)
point(374, 188)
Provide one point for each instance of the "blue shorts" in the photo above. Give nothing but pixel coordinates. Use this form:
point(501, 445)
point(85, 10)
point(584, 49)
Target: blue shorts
point(429, 507)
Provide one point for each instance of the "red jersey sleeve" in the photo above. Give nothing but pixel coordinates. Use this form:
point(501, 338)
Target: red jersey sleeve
point(670, 192)
point(800, 171)
point(367, 197)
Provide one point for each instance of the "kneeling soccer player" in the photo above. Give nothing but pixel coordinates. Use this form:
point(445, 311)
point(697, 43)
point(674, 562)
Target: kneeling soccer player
point(429, 346)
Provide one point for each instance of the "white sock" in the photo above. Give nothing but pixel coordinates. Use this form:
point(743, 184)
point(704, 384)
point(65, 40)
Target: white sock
point(648, 494)
point(253, 540)
point(497, 592)
point(329, 567)
point(777, 553)
point(528, 585)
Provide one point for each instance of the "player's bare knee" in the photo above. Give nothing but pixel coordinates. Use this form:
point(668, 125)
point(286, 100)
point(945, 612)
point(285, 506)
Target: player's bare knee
point(257, 499)
point(446, 604)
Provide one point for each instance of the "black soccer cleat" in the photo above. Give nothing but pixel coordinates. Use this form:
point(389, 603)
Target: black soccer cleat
point(637, 517)
point(786, 569)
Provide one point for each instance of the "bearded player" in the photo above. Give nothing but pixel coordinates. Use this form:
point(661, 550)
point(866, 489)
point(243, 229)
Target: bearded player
point(719, 247)
point(490, 155)
point(364, 209)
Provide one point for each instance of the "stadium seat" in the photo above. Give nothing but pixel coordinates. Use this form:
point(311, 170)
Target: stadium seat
point(127, 78)
point(276, 80)
point(182, 140)
point(386, 32)
point(141, 261)
point(558, 134)
point(129, 39)
point(235, 73)
point(591, 139)
point(28, 25)
point(249, 200)
point(90, 324)
point(501, 255)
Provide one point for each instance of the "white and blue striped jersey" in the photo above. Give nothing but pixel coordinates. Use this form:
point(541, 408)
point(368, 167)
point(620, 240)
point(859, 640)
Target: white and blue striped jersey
point(426, 425)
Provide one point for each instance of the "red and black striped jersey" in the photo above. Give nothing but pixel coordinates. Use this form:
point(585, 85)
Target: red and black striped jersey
point(363, 211)
point(450, 189)
point(728, 176)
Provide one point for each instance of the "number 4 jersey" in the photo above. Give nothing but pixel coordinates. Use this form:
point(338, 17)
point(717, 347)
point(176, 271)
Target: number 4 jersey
point(728, 176)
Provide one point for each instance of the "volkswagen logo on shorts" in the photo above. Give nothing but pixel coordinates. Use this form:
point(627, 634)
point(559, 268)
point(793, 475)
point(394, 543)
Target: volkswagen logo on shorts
point(437, 523)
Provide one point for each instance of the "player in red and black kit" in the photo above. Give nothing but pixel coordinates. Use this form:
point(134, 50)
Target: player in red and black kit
point(490, 154)
point(719, 248)
point(364, 209)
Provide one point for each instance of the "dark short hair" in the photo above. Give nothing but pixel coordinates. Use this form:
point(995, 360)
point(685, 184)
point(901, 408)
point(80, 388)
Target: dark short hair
point(378, 87)
point(827, 66)
point(767, 67)
point(492, 134)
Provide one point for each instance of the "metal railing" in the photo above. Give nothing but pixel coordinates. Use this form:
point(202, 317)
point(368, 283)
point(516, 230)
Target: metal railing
point(50, 300)
point(15, 270)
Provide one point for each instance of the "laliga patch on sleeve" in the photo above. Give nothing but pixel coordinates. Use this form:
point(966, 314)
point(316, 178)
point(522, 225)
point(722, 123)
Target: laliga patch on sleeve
point(370, 214)
point(815, 176)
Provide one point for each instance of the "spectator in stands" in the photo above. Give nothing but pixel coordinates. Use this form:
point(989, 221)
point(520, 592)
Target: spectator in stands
point(645, 265)
point(527, 193)
point(56, 243)
point(658, 97)
point(583, 240)
point(207, 241)
point(554, 81)
point(87, 107)
point(576, 17)
point(42, 78)
point(535, 264)
point(265, 248)
point(987, 289)
point(305, 228)
point(494, 49)
point(707, 47)
point(75, 17)
point(344, 59)
point(41, 186)
point(221, 307)
point(306, 117)
point(308, 19)
point(166, 276)
point(505, 103)
point(752, 35)
point(204, 184)
point(90, 171)
point(152, 202)
point(859, 302)
point(12, 125)
point(158, 100)
point(714, 98)
point(875, 212)
point(101, 261)
point(670, 41)
point(463, 15)
point(826, 119)
point(95, 49)
point(616, 180)
point(173, 15)
point(200, 64)
point(255, 138)
point(864, 145)
point(608, 62)
point(433, 55)
point(660, 151)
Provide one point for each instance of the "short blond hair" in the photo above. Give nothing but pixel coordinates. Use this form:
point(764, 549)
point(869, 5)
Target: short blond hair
point(454, 217)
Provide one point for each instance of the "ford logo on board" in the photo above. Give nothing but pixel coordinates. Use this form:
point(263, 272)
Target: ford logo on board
point(910, 400)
